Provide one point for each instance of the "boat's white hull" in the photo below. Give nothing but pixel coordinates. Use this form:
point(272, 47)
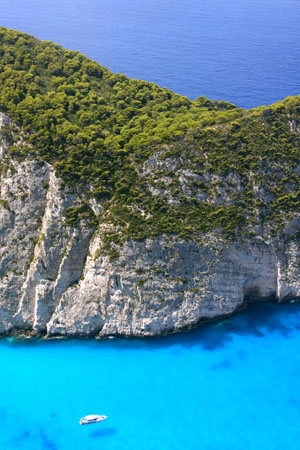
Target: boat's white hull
point(84, 421)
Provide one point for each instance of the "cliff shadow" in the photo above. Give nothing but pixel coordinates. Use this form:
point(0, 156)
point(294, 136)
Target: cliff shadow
point(256, 319)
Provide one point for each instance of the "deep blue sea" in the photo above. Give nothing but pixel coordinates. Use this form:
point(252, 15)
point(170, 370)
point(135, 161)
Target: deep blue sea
point(243, 51)
point(230, 385)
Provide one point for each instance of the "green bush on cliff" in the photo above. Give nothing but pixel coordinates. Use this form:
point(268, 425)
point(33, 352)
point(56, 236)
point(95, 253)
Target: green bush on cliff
point(98, 129)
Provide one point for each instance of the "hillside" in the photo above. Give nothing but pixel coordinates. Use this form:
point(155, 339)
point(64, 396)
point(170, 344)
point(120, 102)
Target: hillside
point(128, 209)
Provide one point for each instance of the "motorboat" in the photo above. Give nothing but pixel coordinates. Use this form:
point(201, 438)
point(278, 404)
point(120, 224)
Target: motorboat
point(92, 418)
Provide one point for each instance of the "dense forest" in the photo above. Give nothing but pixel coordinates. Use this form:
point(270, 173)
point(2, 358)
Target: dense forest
point(99, 129)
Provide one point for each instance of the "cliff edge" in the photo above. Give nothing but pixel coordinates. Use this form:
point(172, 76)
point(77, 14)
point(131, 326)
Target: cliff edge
point(126, 209)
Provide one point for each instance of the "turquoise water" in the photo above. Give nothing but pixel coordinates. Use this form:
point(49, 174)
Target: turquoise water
point(227, 386)
point(243, 51)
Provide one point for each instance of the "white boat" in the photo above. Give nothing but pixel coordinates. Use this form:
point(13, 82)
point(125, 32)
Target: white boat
point(93, 418)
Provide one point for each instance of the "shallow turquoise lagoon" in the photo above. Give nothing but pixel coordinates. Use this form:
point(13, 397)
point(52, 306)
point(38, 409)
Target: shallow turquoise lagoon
point(229, 385)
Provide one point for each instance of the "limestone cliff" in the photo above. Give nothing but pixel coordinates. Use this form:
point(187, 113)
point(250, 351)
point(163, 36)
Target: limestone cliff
point(56, 279)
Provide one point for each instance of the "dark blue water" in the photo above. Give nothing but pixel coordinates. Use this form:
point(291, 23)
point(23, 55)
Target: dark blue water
point(243, 51)
point(232, 385)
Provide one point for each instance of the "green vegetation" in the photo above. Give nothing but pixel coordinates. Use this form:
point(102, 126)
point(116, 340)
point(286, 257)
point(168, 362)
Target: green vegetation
point(87, 120)
point(99, 129)
point(4, 203)
point(84, 211)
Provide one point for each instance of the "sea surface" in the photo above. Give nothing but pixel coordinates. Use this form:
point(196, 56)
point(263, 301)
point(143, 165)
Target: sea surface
point(229, 385)
point(243, 51)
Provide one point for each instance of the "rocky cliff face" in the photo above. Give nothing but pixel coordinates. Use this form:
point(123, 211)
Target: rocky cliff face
point(54, 279)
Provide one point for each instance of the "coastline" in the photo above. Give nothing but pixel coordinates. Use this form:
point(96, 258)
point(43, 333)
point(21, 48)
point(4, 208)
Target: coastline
point(25, 335)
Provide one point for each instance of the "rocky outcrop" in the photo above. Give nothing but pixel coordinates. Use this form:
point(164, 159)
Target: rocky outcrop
point(160, 286)
point(54, 279)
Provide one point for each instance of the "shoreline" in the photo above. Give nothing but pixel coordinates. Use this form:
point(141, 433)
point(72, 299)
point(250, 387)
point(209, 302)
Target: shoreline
point(31, 335)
